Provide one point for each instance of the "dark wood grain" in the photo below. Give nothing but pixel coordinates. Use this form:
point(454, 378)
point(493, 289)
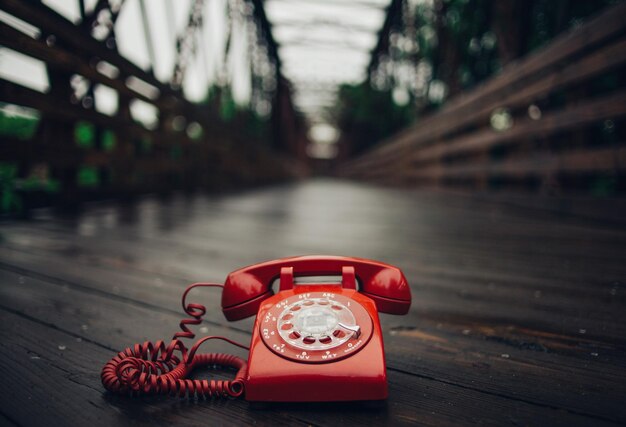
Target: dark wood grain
point(517, 316)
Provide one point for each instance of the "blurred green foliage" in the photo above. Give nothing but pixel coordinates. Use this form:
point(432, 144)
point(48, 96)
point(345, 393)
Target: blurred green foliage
point(176, 152)
point(145, 145)
point(221, 100)
point(85, 134)
point(9, 200)
point(34, 183)
point(108, 140)
point(453, 46)
point(12, 187)
point(548, 20)
point(466, 24)
point(369, 115)
point(17, 126)
point(88, 176)
point(603, 185)
point(241, 120)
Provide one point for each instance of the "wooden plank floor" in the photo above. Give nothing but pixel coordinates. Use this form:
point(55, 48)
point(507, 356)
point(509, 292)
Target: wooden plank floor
point(518, 315)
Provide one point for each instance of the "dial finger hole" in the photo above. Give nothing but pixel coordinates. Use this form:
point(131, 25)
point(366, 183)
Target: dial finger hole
point(294, 335)
point(286, 326)
point(308, 302)
point(288, 316)
point(308, 340)
point(337, 307)
point(339, 334)
point(295, 308)
point(325, 339)
point(322, 302)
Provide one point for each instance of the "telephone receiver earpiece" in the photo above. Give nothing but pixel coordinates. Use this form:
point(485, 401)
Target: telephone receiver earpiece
point(245, 289)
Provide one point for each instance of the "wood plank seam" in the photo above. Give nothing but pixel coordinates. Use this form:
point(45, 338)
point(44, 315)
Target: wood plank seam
point(504, 396)
point(63, 282)
point(400, 371)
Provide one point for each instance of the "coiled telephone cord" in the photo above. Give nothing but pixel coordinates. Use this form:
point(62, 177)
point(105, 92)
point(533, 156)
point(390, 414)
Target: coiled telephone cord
point(154, 368)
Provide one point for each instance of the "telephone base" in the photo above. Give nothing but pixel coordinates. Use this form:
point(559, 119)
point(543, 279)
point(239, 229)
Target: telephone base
point(306, 391)
point(341, 384)
point(368, 405)
point(359, 377)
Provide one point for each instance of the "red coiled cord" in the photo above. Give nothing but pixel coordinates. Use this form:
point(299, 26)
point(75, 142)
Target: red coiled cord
point(154, 368)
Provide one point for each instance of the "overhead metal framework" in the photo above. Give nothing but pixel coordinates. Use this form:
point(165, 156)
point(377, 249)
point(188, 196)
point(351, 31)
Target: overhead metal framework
point(299, 50)
point(324, 44)
point(119, 105)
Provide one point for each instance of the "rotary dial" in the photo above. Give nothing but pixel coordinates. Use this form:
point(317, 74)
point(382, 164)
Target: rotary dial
point(316, 327)
point(317, 324)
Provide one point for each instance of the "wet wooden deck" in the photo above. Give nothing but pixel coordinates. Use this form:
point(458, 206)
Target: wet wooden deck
point(518, 316)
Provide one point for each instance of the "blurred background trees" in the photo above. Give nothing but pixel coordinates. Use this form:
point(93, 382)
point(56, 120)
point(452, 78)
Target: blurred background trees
point(436, 49)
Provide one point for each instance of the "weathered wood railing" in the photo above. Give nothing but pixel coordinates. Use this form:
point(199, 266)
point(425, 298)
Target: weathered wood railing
point(143, 159)
point(546, 120)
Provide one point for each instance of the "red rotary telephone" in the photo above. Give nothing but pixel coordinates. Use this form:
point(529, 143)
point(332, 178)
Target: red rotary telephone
point(313, 341)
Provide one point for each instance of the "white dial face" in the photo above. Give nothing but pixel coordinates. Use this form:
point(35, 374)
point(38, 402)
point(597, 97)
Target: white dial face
point(316, 324)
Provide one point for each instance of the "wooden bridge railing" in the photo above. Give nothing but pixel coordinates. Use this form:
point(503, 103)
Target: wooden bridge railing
point(143, 158)
point(553, 119)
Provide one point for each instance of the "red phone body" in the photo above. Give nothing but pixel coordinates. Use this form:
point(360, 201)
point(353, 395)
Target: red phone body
point(316, 341)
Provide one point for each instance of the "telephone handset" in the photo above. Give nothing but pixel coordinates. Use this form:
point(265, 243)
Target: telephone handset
point(246, 288)
point(314, 341)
